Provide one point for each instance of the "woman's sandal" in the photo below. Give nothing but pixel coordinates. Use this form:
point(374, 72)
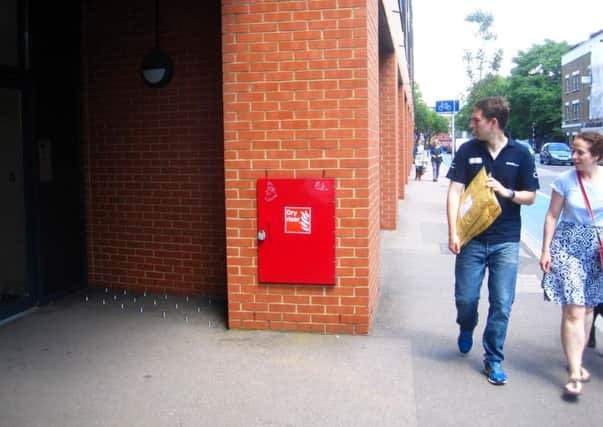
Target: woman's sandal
point(584, 375)
point(573, 387)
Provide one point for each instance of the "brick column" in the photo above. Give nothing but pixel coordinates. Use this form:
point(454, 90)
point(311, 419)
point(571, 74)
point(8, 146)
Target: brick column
point(405, 158)
point(390, 140)
point(301, 100)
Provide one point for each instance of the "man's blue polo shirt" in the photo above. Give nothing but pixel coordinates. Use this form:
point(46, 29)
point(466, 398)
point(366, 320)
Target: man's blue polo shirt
point(514, 168)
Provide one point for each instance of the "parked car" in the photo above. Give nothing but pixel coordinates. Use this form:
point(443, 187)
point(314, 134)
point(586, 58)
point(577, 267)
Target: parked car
point(556, 153)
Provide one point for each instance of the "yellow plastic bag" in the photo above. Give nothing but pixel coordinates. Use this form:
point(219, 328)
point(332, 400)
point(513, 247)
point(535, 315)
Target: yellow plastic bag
point(478, 208)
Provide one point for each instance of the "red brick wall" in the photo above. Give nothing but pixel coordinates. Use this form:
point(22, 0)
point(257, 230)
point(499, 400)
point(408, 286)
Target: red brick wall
point(154, 157)
point(301, 99)
point(170, 178)
point(401, 137)
point(390, 139)
point(374, 158)
point(406, 141)
point(410, 138)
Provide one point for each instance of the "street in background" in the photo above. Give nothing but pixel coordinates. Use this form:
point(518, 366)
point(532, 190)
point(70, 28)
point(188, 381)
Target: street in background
point(533, 215)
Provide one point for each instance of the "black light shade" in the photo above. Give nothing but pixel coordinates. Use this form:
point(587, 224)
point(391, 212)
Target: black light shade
point(157, 68)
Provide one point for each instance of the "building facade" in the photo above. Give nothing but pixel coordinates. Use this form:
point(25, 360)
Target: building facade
point(153, 187)
point(582, 97)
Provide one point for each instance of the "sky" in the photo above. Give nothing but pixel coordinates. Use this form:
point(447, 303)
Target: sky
point(441, 34)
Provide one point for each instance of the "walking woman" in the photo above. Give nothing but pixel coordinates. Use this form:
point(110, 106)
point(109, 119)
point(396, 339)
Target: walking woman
point(437, 155)
point(571, 258)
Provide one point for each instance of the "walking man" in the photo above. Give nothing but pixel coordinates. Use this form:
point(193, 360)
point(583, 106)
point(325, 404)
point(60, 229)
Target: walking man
point(514, 181)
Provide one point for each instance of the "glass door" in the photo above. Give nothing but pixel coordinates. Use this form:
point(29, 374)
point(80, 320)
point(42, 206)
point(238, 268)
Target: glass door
point(15, 291)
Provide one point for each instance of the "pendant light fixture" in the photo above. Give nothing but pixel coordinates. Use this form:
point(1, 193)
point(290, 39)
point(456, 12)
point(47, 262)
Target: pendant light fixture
point(157, 66)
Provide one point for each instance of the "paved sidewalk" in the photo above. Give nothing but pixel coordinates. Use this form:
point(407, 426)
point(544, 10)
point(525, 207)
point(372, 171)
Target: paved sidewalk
point(417, 304)
point(82, 363)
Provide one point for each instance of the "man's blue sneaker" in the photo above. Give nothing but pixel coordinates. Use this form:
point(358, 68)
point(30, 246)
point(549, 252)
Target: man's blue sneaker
point(495, 373)
point(465, 341)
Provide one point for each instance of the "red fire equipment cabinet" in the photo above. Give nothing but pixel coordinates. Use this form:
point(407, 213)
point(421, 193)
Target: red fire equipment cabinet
point(296, 231)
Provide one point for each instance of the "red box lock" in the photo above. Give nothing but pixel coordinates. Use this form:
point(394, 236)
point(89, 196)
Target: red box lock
point(296, 231)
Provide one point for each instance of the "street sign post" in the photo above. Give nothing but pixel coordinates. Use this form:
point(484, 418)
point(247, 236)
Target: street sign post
point(449, 106)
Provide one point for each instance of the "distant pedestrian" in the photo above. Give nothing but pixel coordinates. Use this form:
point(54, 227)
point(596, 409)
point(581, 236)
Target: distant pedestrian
point(421, 160)
point(514, 181)
point(571, 258)
point(437, 156)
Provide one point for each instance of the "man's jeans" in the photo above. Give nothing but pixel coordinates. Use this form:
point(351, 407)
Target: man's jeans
point(501, 260)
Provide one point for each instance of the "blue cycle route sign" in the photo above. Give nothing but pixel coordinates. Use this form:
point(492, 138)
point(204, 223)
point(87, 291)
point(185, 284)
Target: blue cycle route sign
point(448, 106)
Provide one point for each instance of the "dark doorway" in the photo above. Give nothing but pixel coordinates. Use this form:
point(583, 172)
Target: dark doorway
point(16, 249)
point(56, 90)
point(15, 286)
point(42, 251)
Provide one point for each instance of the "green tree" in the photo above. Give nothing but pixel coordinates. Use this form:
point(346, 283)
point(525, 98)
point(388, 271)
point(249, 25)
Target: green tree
point(493, 85)
point(482, 65)
point(486, 59)
point(427, 121)
point(533, 89)
point(535, 92)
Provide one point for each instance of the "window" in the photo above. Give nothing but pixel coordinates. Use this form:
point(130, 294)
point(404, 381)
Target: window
point(567, 84)
point(576, 81)
point(576, 108)
point(566, 115)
